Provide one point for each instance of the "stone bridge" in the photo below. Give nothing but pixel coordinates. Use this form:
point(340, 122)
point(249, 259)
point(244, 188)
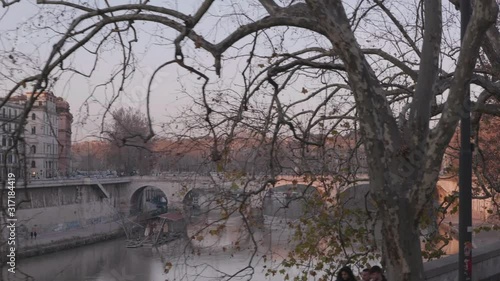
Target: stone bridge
point(176, 187)
point(64, 204)
point(121, 192)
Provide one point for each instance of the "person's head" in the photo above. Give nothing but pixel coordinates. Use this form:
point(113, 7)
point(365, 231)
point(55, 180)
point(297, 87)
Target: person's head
point(345, 273)
point(365, 274)
point(376, 273)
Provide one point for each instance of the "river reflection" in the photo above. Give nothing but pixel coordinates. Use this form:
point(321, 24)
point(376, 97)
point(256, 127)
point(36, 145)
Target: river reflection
point(112, 261)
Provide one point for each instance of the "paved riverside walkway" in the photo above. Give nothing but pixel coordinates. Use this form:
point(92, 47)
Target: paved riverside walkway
point(46, 239)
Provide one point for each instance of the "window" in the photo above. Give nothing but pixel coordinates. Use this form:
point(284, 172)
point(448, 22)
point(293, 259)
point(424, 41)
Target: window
point(33, 164)
point(33, 149)
point(4, 141)
point(10, 127)
point(15, 113)
point(9, 159)
point(33, 116)
point(10, 112)
point(4, 112)
point(33, 130)
point(10, 141)
point(40, 103)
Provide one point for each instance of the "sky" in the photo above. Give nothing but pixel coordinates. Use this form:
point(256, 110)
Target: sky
point(87, 102)
point(32, 29)
point(77, 89)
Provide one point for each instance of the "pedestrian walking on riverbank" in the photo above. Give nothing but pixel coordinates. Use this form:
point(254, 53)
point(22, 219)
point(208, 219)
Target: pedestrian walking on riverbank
point(345, 274)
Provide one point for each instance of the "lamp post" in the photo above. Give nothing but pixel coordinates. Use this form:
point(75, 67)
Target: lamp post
point(465, 171)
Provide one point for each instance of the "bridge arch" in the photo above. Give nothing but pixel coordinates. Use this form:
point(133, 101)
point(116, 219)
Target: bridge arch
point(175, 189)
point(288, 201)
point(148, 199)
point(197, 201)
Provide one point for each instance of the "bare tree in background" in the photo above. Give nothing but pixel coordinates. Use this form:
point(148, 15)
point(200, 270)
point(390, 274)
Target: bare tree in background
point(129, 151)
point(91, 155)
point(307, 69)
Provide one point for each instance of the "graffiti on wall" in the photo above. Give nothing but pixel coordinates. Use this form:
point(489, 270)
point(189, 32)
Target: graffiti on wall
point(66, 226)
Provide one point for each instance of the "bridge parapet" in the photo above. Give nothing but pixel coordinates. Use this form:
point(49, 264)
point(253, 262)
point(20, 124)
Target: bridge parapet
point(72, 182)
point(485, 265)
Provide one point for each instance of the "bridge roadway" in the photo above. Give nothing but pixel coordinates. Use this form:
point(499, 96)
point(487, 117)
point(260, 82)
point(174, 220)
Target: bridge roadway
point(174, 186)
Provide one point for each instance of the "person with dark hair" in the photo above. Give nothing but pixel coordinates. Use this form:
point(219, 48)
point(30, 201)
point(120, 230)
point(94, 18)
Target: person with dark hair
point(376, 274)
point(365, 274)
point(345, 274)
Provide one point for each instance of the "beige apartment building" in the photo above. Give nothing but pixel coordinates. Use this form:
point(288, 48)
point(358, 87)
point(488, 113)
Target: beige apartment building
point(46, 146)
point(65, 119)
point(10, 120)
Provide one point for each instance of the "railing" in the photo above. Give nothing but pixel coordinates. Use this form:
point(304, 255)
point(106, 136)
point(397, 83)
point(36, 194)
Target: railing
point(485, 265)
point(71, 182)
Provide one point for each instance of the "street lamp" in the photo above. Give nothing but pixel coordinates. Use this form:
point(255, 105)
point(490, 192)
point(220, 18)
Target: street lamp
point(465, 172)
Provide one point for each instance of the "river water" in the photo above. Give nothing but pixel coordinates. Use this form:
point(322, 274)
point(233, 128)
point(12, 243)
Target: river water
point(112, 261)
point(214, 258)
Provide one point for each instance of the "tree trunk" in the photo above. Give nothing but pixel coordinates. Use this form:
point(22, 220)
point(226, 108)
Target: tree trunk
point(400, 242)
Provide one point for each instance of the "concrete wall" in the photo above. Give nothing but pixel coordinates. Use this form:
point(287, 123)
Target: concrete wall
point(59, 206)
point(485, 267)
point(63, 208)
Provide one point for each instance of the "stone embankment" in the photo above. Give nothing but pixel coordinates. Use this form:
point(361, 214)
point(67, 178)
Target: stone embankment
point(54, 242)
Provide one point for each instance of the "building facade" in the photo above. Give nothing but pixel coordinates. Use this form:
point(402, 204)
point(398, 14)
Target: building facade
point(10, 122)
point(43, 128)
point(42, 137)
point(65, 118)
